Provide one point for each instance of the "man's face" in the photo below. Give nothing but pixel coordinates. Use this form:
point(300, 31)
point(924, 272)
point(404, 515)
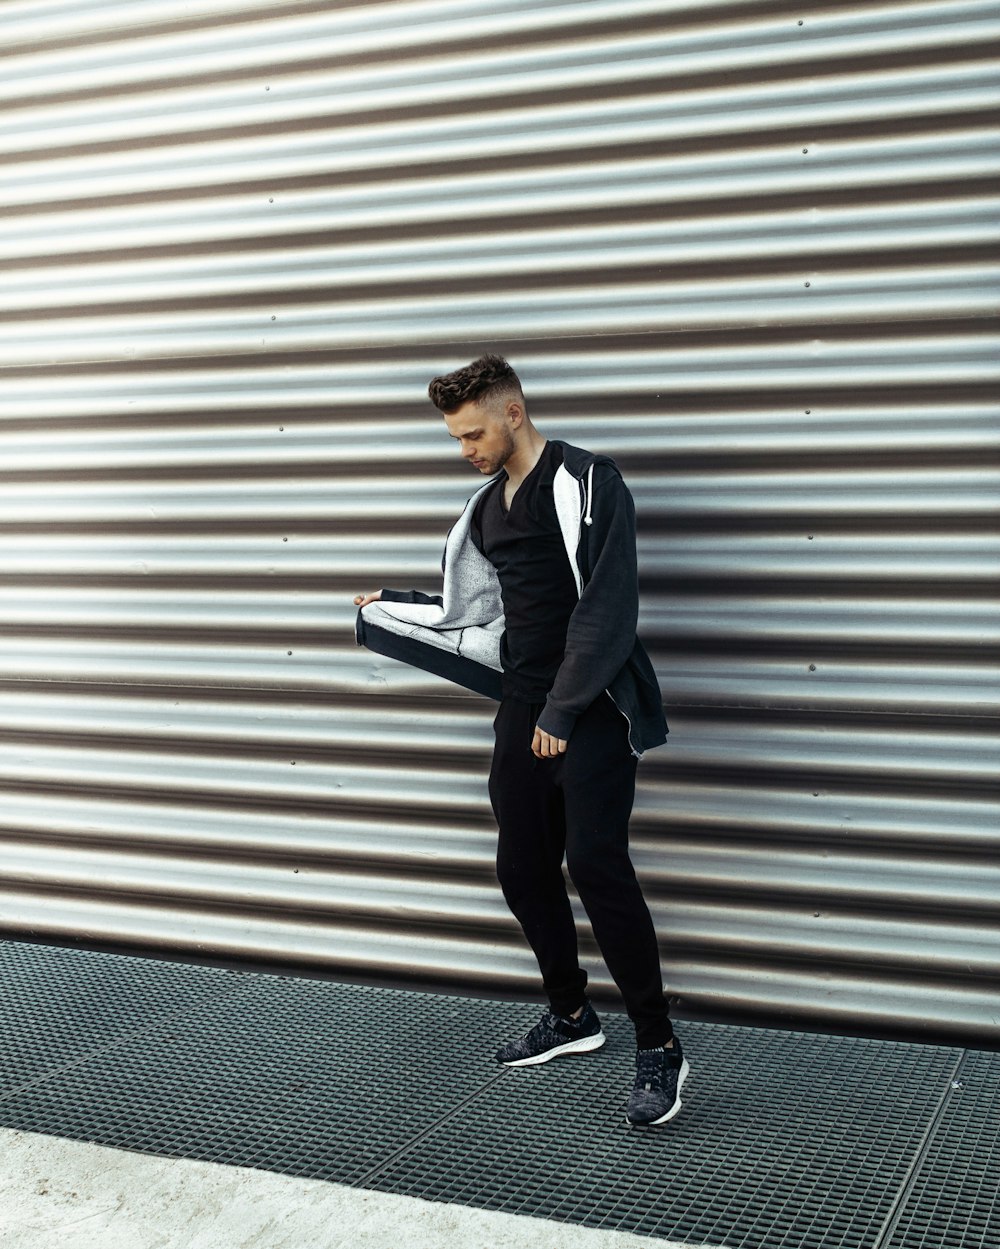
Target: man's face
point(485, 437)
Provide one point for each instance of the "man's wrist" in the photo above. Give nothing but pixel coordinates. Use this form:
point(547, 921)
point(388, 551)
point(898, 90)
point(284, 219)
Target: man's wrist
point(556, 723)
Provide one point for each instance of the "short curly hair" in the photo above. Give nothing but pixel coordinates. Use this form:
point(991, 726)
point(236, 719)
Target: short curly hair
point(489, 377)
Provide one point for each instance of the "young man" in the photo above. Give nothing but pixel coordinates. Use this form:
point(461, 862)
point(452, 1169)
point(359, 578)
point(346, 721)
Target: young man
point(539, 610)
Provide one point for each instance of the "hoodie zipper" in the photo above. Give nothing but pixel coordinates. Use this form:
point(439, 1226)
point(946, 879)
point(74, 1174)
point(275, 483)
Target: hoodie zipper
point(588, 498)
point(638, 753)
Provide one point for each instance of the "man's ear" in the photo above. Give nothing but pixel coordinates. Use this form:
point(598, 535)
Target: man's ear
point(515, 414)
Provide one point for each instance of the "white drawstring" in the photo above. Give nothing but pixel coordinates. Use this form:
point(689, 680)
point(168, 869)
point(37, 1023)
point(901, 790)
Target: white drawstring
point(590, 495)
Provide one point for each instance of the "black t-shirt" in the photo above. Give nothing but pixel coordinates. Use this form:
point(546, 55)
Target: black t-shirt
point(537, 585)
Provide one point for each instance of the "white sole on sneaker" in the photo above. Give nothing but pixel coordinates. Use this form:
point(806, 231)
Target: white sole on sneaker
point(682, 1075)
point(582, 1046)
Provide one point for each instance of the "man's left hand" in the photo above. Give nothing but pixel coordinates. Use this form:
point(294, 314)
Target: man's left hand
point(545, 746)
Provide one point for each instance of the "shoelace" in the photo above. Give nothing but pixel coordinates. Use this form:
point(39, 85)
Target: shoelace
point(650, 1068)
point(539, 1031)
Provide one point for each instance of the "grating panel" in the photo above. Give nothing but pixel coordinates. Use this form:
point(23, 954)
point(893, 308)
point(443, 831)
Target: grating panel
point(289, 1075)
point(785, 1140)
point(955, 1201)
point(59, 1005)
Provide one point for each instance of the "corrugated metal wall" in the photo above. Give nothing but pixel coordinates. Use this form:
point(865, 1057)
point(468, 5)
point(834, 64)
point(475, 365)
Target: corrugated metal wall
point(747, 247)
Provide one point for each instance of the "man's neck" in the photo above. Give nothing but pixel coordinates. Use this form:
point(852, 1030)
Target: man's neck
point(524, 460)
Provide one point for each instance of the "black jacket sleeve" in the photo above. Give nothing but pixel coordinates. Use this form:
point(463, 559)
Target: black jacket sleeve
point(601, 631)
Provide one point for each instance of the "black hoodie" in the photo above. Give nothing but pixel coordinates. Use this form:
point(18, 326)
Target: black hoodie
point(457, 635)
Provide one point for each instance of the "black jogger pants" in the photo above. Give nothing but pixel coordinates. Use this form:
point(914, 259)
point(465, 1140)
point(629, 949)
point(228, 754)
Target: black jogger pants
point(577, 805)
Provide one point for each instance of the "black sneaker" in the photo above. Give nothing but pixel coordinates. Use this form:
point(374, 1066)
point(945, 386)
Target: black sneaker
point(656, 1093)
point(552, 1036)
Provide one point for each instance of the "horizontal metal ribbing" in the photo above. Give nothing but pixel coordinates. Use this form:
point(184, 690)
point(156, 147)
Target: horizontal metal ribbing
point(747, 253)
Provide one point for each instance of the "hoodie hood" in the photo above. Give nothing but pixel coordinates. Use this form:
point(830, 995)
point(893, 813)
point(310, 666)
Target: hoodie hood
point(581, 464)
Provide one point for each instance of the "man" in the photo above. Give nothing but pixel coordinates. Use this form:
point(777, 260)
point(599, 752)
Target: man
point(539, 610)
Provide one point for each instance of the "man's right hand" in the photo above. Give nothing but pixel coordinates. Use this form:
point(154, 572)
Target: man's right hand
point(362, 600)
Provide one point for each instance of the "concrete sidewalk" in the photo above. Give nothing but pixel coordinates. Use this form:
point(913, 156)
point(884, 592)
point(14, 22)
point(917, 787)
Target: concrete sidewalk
point(273, 1107)
point(60, 1194)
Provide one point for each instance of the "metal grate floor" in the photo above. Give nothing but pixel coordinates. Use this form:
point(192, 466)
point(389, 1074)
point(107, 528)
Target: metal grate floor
point(786, 1141)
point(957, 1185)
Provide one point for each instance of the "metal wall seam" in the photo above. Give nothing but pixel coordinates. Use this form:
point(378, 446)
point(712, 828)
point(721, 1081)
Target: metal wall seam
point(749, 253)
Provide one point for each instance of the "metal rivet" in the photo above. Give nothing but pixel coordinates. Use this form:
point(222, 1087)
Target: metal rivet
point(284, 539)
point(274, 318)
point(800, 23)
point(812, 667)
point(804, 151)
point(289, 652)
point(808, 284)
